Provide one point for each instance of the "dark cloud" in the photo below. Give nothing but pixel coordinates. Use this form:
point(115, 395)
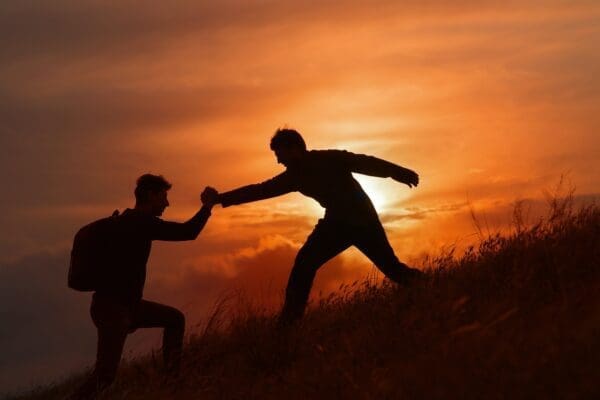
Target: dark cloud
point(46, 332)
point(66, 27)
point(87, 28)
point(95, 110)
point(103, 117)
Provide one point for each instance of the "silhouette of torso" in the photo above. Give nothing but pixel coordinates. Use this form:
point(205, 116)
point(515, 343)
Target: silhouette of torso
point(326, 176)
point(131, 247)
point(130, 251)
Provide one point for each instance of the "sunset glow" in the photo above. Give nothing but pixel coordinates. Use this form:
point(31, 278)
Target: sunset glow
point(489, 102)
point(380, 195)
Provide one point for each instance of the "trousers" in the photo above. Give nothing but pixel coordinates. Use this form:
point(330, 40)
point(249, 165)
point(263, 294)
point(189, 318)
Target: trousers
point(114, 321)
point(328, 239)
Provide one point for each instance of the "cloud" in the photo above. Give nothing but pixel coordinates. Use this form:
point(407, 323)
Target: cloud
point(71, 27)
point(94, 110)
point(46, 331)
point(419, 213)
point(259, 271)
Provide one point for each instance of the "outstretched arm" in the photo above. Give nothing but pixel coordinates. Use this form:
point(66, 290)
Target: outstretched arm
point(374, 166)
point(281, 184)
point(189, 230)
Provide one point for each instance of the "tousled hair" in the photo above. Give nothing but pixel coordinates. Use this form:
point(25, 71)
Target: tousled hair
point(148, 183)
point(285, 137)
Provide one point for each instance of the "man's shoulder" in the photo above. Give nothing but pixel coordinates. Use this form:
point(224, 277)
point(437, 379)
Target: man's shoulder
point(329, 156)
point(328, 153)
point(136, 217)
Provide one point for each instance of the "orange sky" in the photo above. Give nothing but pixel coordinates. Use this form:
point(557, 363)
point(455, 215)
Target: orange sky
point(489, 102)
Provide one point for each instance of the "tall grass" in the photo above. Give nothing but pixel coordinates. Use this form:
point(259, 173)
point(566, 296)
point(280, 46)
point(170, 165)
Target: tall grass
point(516, 316)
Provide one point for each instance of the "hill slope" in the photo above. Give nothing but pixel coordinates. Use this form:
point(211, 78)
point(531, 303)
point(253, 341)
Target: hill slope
point(517, 317)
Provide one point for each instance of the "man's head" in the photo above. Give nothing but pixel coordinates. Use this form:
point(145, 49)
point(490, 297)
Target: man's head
point(151, 193)
point(288, 146)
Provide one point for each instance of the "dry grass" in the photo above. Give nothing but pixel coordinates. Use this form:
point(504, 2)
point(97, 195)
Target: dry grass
point(517, 316)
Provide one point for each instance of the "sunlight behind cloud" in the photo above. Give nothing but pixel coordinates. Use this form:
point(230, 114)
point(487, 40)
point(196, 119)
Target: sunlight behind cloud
point(380, 191)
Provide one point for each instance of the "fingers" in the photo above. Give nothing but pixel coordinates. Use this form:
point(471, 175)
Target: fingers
point(210, 196)
point(413, 177)
point(409, 178)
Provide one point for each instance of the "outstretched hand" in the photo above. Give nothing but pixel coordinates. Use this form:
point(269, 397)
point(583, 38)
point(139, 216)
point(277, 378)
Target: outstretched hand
point(209, 196)
point(408, 177)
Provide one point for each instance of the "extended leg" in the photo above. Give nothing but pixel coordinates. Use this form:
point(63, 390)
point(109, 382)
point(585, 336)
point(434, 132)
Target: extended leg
point(374, 243)
point(324, 243)
point(155, 315)
point(113, 323)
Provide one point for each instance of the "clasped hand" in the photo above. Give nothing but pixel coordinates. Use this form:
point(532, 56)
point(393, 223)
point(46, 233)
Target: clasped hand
point(209, 196)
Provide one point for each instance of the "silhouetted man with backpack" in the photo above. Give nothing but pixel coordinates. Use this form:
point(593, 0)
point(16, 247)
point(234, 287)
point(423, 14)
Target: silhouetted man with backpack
point(350, 218)
point(117, 307)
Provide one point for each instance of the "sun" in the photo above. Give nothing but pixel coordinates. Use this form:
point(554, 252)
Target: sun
point(376, 189)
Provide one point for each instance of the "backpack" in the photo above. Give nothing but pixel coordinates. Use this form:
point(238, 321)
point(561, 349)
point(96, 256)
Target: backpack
point(93, 247)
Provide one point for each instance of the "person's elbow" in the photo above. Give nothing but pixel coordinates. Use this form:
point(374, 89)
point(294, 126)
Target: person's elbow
point(192, 234)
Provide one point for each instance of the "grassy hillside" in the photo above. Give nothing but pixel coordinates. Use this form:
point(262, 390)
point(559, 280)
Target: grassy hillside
point(516, 317)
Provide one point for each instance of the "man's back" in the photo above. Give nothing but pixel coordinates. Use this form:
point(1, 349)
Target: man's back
point(130, 249)
point(131, 246)
point(326, 176)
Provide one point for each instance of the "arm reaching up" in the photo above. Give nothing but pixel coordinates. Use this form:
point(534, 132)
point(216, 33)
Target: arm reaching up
point(189, 230)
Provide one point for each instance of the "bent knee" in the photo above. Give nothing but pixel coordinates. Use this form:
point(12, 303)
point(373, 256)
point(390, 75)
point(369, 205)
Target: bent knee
point(177, 319)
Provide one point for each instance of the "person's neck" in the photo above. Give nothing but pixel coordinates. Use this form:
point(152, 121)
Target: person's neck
point(298, 159)
point(143, 208)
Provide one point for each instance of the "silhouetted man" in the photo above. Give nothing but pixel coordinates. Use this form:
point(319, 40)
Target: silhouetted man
point(350, 218)
point(117, 306)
